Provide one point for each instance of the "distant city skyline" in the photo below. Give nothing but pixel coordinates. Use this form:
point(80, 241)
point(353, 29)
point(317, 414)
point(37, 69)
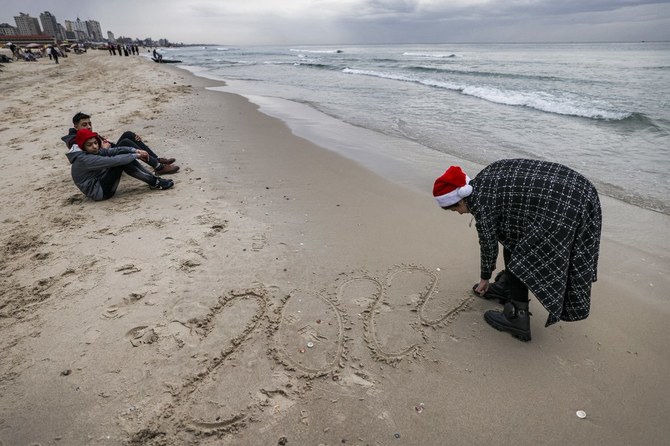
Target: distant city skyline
point(49, 25)
point(364, 21)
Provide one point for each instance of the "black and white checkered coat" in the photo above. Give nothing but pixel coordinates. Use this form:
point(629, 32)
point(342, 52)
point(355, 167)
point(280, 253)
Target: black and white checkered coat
point(549, 217)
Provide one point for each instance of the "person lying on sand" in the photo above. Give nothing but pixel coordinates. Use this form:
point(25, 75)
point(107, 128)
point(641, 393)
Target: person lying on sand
point(163, 166)
point(548, 219)
point(97, 171)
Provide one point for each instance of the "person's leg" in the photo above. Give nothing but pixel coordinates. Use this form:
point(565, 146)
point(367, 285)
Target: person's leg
point(136, 170)
point(128, 142)
point(130, 136)
point(160, 166)
point(110, 181)
point(500, 288)
point(515, 317)
point(129, 139)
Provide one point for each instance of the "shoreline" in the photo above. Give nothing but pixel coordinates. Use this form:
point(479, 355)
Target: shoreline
point(185, 316)
point(345, 139)
point(589, 156)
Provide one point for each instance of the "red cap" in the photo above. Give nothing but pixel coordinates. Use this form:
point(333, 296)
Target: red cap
point(84, 135)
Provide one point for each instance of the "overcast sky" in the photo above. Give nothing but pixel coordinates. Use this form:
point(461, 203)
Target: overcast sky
point(240, 22)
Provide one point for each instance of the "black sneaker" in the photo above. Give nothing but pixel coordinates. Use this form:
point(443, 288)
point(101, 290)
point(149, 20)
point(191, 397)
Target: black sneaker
point(163, 184)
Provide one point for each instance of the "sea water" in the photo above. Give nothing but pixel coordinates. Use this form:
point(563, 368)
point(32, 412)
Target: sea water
point(602, 109)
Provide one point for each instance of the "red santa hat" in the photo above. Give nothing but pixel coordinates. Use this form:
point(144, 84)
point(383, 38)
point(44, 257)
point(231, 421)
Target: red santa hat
point(451, 187)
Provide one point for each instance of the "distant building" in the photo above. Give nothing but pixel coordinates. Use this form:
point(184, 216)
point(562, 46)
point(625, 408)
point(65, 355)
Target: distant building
point(8, 30)
point(94, 30)
point(62, 33)
point(78, 28)
point(49, 24)
point(110, 36)
point(27, 25)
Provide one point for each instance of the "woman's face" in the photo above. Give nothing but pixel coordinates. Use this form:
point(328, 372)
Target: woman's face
point(461, 208)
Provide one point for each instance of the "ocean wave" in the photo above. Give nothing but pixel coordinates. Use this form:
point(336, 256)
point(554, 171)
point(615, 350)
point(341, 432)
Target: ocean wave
point(315, 51)
point(317, 65)
point(435, 55)
point(537, 100)
point(425, 69)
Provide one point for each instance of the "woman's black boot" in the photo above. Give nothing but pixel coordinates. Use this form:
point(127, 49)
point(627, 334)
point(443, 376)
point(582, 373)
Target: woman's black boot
point(514, 319)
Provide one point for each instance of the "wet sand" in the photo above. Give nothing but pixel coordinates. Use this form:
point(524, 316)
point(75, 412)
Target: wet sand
point(280, 293)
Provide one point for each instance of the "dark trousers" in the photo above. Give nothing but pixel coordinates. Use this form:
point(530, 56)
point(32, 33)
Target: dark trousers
point(130, 137)
point(518, 290)
point(110, 180)
point(128, 140)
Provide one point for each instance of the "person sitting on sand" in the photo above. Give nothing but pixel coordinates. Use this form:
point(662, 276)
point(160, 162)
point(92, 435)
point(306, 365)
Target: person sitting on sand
point(162, 166)
point(97, 171)
point(548, 219)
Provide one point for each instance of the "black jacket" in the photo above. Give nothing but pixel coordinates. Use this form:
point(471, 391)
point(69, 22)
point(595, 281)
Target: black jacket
point(548, 216)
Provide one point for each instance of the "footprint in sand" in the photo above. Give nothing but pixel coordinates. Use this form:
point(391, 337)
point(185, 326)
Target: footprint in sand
point(113, 312)
point(258, 241)
point(119, 310)
point(216, 228)
point(141, 335)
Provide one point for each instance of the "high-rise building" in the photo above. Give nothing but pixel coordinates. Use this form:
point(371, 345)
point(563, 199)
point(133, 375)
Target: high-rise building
point(78, 28)
point(8, 30)
point(81, 30)
point(62, 34)
point(110, 36)
point(27, 25)
point(49, 24)
point(94, 30)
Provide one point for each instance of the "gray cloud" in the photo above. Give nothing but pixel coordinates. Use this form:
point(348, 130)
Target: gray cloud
point(240, 22)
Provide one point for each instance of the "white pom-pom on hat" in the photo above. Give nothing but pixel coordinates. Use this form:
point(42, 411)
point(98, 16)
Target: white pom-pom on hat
point(451, 187)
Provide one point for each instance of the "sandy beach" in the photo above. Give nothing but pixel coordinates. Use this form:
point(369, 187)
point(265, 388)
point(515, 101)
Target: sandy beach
point(281, 293)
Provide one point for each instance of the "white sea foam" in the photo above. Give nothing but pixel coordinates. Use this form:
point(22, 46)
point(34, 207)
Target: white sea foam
point(314, 51)
point(538, 100)
point(567, 103)
point(436, 55)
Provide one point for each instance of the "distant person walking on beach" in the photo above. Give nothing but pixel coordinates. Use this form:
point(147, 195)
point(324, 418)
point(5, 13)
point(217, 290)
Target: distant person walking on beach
point(162, 166)
point(97, 171)
point(547, 218)
point(14, 49)
point(53, 53)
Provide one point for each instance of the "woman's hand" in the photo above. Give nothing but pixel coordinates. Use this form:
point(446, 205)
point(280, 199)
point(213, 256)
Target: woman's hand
point(482, 287)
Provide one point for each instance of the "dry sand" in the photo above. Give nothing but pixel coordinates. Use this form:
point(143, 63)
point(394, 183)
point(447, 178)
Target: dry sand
point(279, 294)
